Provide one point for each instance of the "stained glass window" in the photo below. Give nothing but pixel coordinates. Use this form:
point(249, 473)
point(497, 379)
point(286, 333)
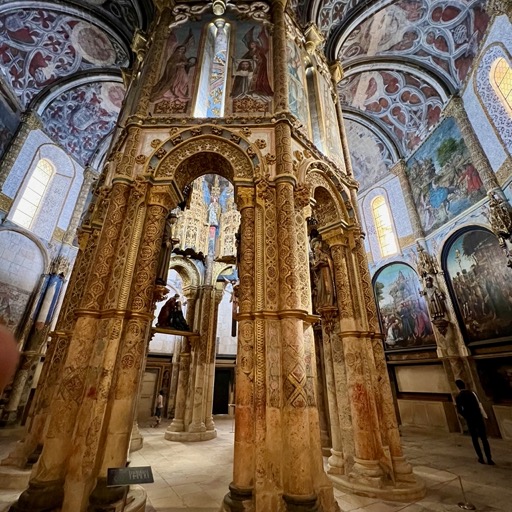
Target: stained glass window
point(501, 78)
point(384, 227)
point(31, 199)
point(212, 85)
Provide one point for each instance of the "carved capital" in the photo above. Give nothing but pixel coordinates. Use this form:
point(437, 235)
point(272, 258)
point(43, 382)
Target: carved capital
point(302, 195)
point(245, 197)
point(337, 72)
point(161, 196)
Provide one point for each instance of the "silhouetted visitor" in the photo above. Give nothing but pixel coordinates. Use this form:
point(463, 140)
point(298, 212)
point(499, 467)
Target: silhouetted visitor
point(469, 406)
point(159, 407)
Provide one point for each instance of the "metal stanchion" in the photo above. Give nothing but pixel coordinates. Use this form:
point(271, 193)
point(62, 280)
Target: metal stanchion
point(233, 417)
point(465, 505)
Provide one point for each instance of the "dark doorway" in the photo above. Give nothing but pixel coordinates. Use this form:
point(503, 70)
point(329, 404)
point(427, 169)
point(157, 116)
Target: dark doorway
point(221, 390)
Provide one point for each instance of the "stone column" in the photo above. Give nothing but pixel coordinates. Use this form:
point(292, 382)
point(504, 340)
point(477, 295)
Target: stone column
point(173, 386)
point(56, 352)
point(242, 487)
point(455, 109)
point(31, 354)
point(113, 441)
point(89, 176)
point(399, 169)
point(322, 395)
point(178, 422)
point(208, 414)
point(279, 39)
point(29, 121)
point(298, 489)
point(46, 487)
point(378, 464)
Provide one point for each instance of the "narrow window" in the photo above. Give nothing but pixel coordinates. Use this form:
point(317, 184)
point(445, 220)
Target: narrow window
point(30, 201)
point(212, 84)
point(384, 227)
point(501, 80)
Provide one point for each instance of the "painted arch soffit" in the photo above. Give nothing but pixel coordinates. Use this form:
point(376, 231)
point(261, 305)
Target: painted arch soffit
point(188, 272)
point(39, 46)
point(406, 105)
point(370, 156)
point(80, 117)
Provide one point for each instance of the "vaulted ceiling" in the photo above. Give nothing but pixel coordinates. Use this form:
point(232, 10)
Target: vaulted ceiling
point(402, 60)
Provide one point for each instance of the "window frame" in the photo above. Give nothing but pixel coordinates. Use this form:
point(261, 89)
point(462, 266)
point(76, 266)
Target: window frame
point(30, 180)
point(384, 229)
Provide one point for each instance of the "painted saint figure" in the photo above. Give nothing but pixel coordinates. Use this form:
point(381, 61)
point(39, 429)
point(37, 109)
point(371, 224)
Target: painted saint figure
point(242, 78)
point(322, 267)
point(174, 84)
point(256, 55)
point(435, 299)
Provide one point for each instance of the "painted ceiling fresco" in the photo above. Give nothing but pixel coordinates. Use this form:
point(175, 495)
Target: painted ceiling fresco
point(370, 157)
point(39, 46)
point(408, 106)
point(80, 118)
point(444, 35)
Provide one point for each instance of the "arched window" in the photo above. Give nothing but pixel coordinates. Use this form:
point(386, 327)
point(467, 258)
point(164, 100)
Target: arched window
point(501, 80)
point(384, 227)
point(30, 201)
point(212, 85)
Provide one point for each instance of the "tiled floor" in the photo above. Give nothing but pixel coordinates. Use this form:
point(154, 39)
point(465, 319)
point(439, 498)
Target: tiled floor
point(194, 477)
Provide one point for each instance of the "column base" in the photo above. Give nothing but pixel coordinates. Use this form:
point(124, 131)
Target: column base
point(301, 503)
point(136, 441)
point(40, 497)
point(239, 499)
point(336, 463)
point(190, 436)
point(401, 491)
point(176, 426)
point(14, 478)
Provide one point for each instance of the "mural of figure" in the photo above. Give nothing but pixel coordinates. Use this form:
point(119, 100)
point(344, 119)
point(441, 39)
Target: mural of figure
point(257, 50)
point(174, 84)
point(322, 267)
point(242, 78)
point(171, 315)
point(471, 179)
point(435, 299)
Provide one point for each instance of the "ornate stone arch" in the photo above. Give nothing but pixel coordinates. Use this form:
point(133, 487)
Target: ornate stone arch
point(188, 272)
point(333, 197)
point(188, 154)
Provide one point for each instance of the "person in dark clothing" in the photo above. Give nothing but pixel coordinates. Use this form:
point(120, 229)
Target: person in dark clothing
point(468, 406)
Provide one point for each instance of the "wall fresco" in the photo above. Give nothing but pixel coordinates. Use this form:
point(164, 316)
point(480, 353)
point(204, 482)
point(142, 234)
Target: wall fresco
point(403, 311)
point(443, 178)
point(251, 84)
point(370, 157)
point(174, 89)
point(297, 95)
point(481, 285)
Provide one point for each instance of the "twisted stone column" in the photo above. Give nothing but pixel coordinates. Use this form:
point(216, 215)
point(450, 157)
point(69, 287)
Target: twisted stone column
point(455, 109)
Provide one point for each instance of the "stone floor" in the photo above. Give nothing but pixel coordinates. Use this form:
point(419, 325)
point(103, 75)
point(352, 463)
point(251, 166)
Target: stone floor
point(194, 477)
